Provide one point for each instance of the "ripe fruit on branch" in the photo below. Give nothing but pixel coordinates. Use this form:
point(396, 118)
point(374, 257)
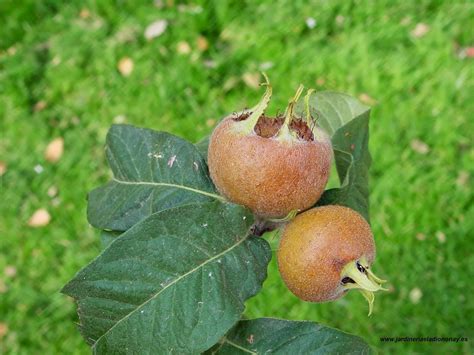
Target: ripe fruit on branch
point(272, 165)
point(326, 251)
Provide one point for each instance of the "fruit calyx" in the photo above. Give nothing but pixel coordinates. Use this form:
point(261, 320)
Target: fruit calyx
point(285, 133)
point(357, 275)
point(247, 119)
point(287, 127)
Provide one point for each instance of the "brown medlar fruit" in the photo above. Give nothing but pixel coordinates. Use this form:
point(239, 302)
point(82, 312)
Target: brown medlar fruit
point(272, 165)
point(326, 251)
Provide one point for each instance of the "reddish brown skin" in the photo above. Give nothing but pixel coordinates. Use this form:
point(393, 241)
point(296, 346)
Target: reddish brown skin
point(316, 245)
point(270, 177)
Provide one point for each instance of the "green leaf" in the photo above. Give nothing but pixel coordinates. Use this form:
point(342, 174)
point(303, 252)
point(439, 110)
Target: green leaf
point(202, 146)
point(152, 171)
point(107, 237)
point(276, 336)
point(174, 282)
point(347, 121)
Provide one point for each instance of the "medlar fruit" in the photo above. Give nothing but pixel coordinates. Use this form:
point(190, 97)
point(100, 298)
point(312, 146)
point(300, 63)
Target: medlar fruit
point(272, 165)
point(326, 251)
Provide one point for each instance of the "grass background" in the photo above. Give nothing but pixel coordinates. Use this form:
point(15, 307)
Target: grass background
point(65, 55)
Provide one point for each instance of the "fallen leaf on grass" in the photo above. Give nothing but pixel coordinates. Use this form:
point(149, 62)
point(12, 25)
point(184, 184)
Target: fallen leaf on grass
point(415, 295)
point(38, 168)
point(56, 60)
point(119, 119)
point(420, 30)
point(126, 34)
point(54, 150)
point(320, 81)
point(419, 146)
point(366, 99)
point(230, 83)
point(156, 29)
point(467, 52)
point(405, 21)
point(10, 271)
point(85, 13)
point(210, 64)
point(56, 201)
point(210, 122)
point(11, 51)
point(183, 47)
point(40, 218)
point(39, 106)
point(266, 65)
point(462, 178)
point(3, 168)
point(190, 9)
point(202, 44)
point(311, 23)
point(441, 237)
point(52, 191)
point(252, 80)
point(125, 66)
point(421, 236)
point(340, 20)
point(3, 330)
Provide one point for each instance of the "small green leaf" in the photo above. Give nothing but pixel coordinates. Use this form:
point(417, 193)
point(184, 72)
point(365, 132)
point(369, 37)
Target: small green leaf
point(276, 336)
point(347, 121)
point(152, 171)
point(175, 282)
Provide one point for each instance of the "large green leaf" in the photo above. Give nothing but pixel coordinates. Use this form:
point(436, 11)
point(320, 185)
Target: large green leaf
point(152, 171)
point(276, 336)
point(107, 237)
point(175, 282)
point(202, 146)
point(347, 121)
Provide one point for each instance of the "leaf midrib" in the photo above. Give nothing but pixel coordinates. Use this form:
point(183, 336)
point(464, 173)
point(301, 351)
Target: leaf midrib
point(239, 347)
point(217, 256)
point(183, 187)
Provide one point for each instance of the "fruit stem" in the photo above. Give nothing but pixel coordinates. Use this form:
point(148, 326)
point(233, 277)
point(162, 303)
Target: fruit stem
point(247, 126)
point(284, 132)
point(292, 214)
point(260, 227)
point(306, 104)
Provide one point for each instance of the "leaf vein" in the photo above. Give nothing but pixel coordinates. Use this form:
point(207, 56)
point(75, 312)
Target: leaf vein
point(171, 284)
point(165, 184)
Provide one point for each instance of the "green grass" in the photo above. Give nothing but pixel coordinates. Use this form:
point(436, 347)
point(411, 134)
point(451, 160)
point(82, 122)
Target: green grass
point(424, 91)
